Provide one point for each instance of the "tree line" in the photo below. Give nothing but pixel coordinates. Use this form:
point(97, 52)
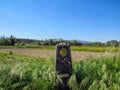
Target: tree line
point(13, 41)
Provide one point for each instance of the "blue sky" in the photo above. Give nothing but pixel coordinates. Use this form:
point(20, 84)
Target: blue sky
point(89, 20)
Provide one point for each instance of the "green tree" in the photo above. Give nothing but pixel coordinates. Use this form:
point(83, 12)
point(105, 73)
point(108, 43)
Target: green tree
point(119, 43)
point(46, 42)
point(75, 42)
point(98, 44)
point(4, 41)
point(12, 40)
point(112, 43)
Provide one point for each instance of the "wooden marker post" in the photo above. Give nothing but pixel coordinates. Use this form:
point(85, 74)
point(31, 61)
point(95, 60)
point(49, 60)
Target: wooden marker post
point(63, 64)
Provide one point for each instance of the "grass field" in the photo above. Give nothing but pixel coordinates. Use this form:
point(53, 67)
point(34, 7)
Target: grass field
point(73, 48)
point(20, 72)
point(76, 55)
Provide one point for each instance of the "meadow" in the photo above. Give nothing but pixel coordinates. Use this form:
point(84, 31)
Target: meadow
point(21, 72)
point(85, 48)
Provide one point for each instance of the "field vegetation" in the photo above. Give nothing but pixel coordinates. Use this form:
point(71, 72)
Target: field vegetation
point(49, 44)
point(24, 71)
point(73, 48)
point(20, 72)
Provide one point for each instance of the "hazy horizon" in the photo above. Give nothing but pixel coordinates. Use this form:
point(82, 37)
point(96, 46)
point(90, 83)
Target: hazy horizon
point(87, 20)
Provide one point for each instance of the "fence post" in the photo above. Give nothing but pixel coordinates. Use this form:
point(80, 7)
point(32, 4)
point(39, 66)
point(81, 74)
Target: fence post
point(63, 65)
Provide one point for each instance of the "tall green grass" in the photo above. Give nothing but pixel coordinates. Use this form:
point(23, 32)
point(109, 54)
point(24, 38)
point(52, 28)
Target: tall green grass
point(97, 74)
point(19, 72)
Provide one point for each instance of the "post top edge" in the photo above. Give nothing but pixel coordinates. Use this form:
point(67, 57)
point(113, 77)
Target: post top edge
point(63, 43)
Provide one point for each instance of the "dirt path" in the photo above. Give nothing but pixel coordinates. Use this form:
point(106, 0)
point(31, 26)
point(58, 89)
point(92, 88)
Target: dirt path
point(76, 55)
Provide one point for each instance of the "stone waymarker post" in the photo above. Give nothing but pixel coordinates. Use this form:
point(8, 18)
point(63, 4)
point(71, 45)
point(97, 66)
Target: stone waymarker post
point(63, 64)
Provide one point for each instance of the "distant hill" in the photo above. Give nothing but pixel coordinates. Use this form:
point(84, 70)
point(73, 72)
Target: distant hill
point(81, 41)
point(84, 42)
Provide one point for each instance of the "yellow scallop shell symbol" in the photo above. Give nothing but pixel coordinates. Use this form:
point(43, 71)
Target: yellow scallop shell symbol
point(63, 52)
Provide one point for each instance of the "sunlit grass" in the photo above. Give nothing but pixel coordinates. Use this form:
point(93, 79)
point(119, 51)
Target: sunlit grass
point(22, 73)
point(19, 72)
point(97, 74)
point(73, 48)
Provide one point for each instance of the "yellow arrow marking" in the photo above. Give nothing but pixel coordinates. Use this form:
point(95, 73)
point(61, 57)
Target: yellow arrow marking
point(63, 52)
